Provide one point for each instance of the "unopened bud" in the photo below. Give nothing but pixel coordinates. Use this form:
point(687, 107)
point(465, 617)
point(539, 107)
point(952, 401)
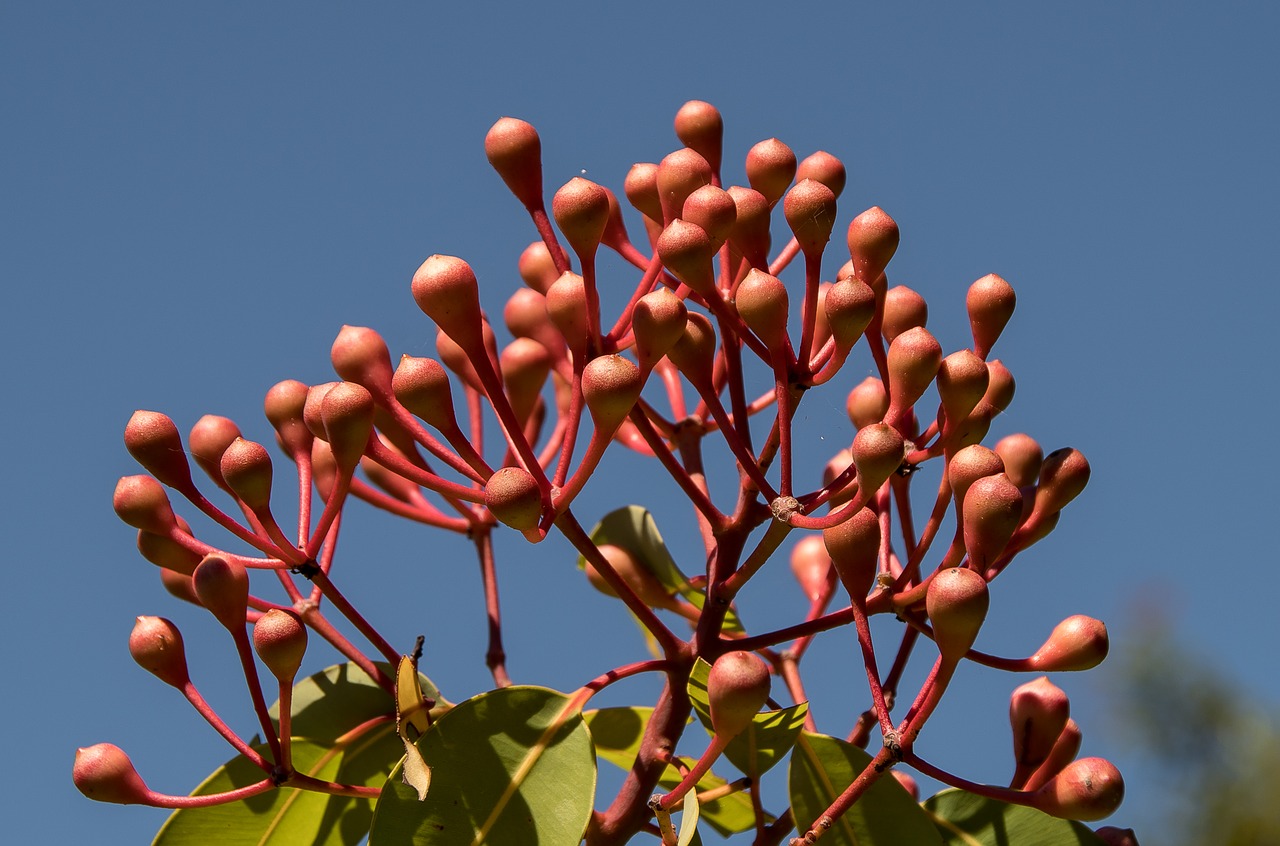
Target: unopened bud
point(687, 251)
point(1022, 458)
point(567, 308)
point(854, 547)
point(140, 501)
point(156, 644)
point(679, 175)
point(347, 414)
point(849, 306)
point(610, 387)
point(750, 233)
point(810, 565)
point(581, 210)
point(868, 402)
point(713, 210)
point(825, 168)
point(280, 639)
point(962, 383)
point(873, 239)
point(1038, 713)
point(700, 127)
point(771, 165)
point(737, 688)
point(446, 290)
point(1077, 643)
point(283, 406)
point(1063, 475)
point(209, 439)
point(969, 465)
point(903, 309)
point(246, 468)
point(642, 581)
point(525, 364)
point(154, 442)
point(104, 772)
point(512, 495)
point(223, 588)
point(694, 353)
point(810, 210)
point(641, 188)
point(360, 355)
point(956, 602)
point(992, 510)
point(913, 360)
point(422, 386)
point(761, 300)
point(878, 451)
point(658, 321)
point(515, 152)
point(990, 302)
point(1088, 789)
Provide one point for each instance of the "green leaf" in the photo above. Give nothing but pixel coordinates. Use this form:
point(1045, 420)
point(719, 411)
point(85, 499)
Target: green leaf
point(964, 819)
point(822, 767)
point(326, 706)
point(633, 528)
point(514, 765)
point(283, 817)
point(616, 733)
point(765, 742)
point(688, 819)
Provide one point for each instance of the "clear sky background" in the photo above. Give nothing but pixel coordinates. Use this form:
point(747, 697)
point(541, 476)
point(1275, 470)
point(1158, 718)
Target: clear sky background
point(196, 198)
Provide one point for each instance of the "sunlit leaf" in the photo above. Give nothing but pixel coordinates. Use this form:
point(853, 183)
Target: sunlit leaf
point(822, 767)
point(511, 766)
point(617, 732)
point(765, 742)
point(964, 819)
point(688, 820)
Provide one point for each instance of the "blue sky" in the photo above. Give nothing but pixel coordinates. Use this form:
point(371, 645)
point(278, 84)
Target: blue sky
point(195, 199)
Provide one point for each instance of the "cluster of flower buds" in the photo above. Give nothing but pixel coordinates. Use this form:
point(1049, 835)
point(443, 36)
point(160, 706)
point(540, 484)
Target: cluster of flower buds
point(710, 347)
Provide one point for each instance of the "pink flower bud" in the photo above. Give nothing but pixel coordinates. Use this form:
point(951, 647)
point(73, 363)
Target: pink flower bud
point(694, 353)
point(1087, 789)
point(873, 239)
point(311, 411)
point(908, 783)
point(525, 364)
point(643, 583)
point(878, 451)
point(1038, 713)
point(810, 210)
point(761, 301)
point(567, 308)
point(140, 501)
point(280, 639)
point(854, 547)
point(992, 510)
point(712, 209)
point(610, 387)
point(687, 251)
point(679, 175)
point(903, 309)
point(223, 588)
point(810, 564)
point(956, 602)
point(179, 585)
point(154, 442)
point(156, 644)
point(283, 406)
point(526, 317)
point(771, 165)
point(868, 402)
point(537, 267)
point(1064, 751)
point(962, 383)
point(641, 188)
point(457, 360)
point(246, 468)
point(837, 465)
point(360, 355)
point(446, 290)
point(990, 302)
point(969, 465)
point(1022, 458)
point(1077, 643)
point(515, 152)
point(658, 321)
point(1113, 836)
point(209, 439)
point(700, 127)
point(1063, 476)
point(347, 414)
point(914, 358)
point(581, 210)
point(166, 553)
point(103, 772)
point(512, 495)
point(737, 688)
point(750, 233)
point(825, 168)
point(422, 386)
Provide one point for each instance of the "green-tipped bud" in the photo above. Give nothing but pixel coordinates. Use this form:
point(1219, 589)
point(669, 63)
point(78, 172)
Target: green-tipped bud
point(771, 165)
point(156, 644)
point(154, 442)
point(1038, 714)
point(209, 439)
point(810, 564)
point(581, 210)
point(679, 175)
point(246, 468)
point(140, 501)
point(810, 210)
point(903, 309)
point(658, 321)
point(104, 773)
point(610, 387)
point(446, 290)
point(878, 451)
point(737, 688)
point(825, 168)
point(512, 495)
point(223, 588)
point(1077, 643)
point(347, 415)
point(515, 151)
point(992, 510)
point(761, 300)
point(280, 639)
point(1088, 789)
point(422, 386)
point(868, 402)
point(956, 602)
point(750, 233)
point(873, 239)
point(1022, 458)
point(854, 547)
point(700, 127)
point(990, 302)
point(360, 355)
